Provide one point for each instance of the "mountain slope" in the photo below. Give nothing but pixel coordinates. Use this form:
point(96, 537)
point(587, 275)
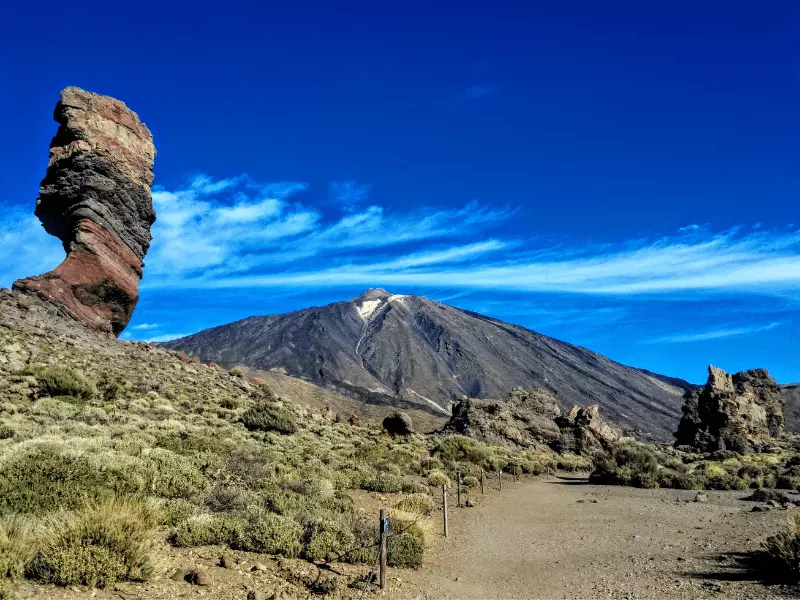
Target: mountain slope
point(411, 351)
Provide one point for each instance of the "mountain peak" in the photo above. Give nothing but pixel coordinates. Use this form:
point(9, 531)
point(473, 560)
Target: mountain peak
point(373, 294)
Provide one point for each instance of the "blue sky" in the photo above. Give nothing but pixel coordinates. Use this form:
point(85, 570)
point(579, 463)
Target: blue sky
point(618, 175)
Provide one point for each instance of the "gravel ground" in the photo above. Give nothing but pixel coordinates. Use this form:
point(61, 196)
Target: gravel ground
point(568, 539)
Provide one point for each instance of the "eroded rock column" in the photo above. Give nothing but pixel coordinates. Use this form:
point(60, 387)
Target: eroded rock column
point(96, 199)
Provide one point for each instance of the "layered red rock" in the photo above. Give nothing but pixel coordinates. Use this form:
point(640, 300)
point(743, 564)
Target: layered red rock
point(96, 199)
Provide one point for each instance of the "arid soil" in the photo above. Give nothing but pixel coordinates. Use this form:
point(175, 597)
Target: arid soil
point(560, 538)
point(568, 539)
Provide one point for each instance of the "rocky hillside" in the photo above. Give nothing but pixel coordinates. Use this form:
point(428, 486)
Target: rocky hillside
point(791, 398)
point(412, 351)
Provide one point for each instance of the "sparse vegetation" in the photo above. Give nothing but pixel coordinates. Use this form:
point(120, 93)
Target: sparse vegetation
point(269, 417)
point(782, 552)
point(57, 380)
point(97, 545)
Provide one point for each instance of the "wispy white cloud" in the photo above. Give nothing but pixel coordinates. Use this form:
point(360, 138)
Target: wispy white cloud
point(713, 334)
point(146, 326)
point(236, 233)
point(27, 248)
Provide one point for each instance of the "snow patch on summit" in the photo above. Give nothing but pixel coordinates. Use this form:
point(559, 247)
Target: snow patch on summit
point(367, 308)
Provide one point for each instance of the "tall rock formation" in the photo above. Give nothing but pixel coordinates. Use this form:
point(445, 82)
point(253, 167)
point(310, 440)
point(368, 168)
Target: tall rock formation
point(742, 412)
point(96, 199)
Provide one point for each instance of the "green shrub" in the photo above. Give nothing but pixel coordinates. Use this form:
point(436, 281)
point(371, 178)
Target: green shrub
point(270, 534)
point(204, 530)
point(326, 538)
point(41, 478)
point(236, 372)
point(416, 503)
point(787, 482)
point(269, 417)
point(405, 551)
point(6, 432)
point(17, 546)
point(175, 511)
point(644, 480)
point(56, 380)
point(782, 551)
point(385, 483)
point(438, 478)
point(96, 546)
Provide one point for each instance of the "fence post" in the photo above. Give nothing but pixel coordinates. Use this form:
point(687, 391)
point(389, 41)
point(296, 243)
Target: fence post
point(483, 476)
point(500, 477)
point(458, 489)
point(384, 530)
point(516, 475)
point(444, 509)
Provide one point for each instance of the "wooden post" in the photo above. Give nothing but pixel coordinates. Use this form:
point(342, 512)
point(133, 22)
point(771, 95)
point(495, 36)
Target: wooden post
point(458, 489)
point(384, 531)
point(516, 475)
point(444, 509)
point(483, 476)
point(500, 477)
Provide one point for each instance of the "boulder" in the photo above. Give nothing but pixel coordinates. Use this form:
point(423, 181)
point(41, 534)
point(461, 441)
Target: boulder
point(95, 197)
point(398, 423)
point(743, 412)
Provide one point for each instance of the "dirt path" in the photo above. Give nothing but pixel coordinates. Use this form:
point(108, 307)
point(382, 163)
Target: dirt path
point(568, 539)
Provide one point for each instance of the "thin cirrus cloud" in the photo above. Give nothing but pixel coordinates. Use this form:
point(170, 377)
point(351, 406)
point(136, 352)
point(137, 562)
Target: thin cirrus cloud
point(237, 233)
point(713, 334)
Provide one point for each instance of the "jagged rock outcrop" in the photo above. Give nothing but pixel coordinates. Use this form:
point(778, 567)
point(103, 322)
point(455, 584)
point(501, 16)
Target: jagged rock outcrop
point(742, 412)
point(95, 198)
point(531, 418)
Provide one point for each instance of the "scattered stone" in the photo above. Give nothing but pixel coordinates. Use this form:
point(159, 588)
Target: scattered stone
point(259, 567)
point(701, 497)
point(353, 420)
point(469, 503)
point(95, 198)
point(226, 561)
point(180, 575)
point(760, 509)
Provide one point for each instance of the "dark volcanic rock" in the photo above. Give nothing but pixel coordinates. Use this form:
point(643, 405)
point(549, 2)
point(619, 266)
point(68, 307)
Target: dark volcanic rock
point(398, 424)
point(96, 199)
point(530, 419)
point(743, 412)
point(408, 351)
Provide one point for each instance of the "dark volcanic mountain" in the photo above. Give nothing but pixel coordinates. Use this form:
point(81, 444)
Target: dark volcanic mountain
point(408, 350)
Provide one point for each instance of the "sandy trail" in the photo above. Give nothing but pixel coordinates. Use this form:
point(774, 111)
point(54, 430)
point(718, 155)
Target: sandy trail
point(568, 539)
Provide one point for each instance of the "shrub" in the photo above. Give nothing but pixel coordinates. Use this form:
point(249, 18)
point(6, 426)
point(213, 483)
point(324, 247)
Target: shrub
point(17, 546)
point(6, 432)
point(56, 380)
point(438, 478)
point(269, 417)
point(385, 483)
point(783, 552)
point(96, 546)
point(471, 481)
point(173, 512)
point(236, 372)
point(270, 534)
point(404, 551)
point(325, 538)
point(416, 503)
point(644, 480)
point(204, 530)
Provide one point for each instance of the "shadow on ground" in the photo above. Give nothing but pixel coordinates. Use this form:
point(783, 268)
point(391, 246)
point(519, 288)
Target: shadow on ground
point(747, 566)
